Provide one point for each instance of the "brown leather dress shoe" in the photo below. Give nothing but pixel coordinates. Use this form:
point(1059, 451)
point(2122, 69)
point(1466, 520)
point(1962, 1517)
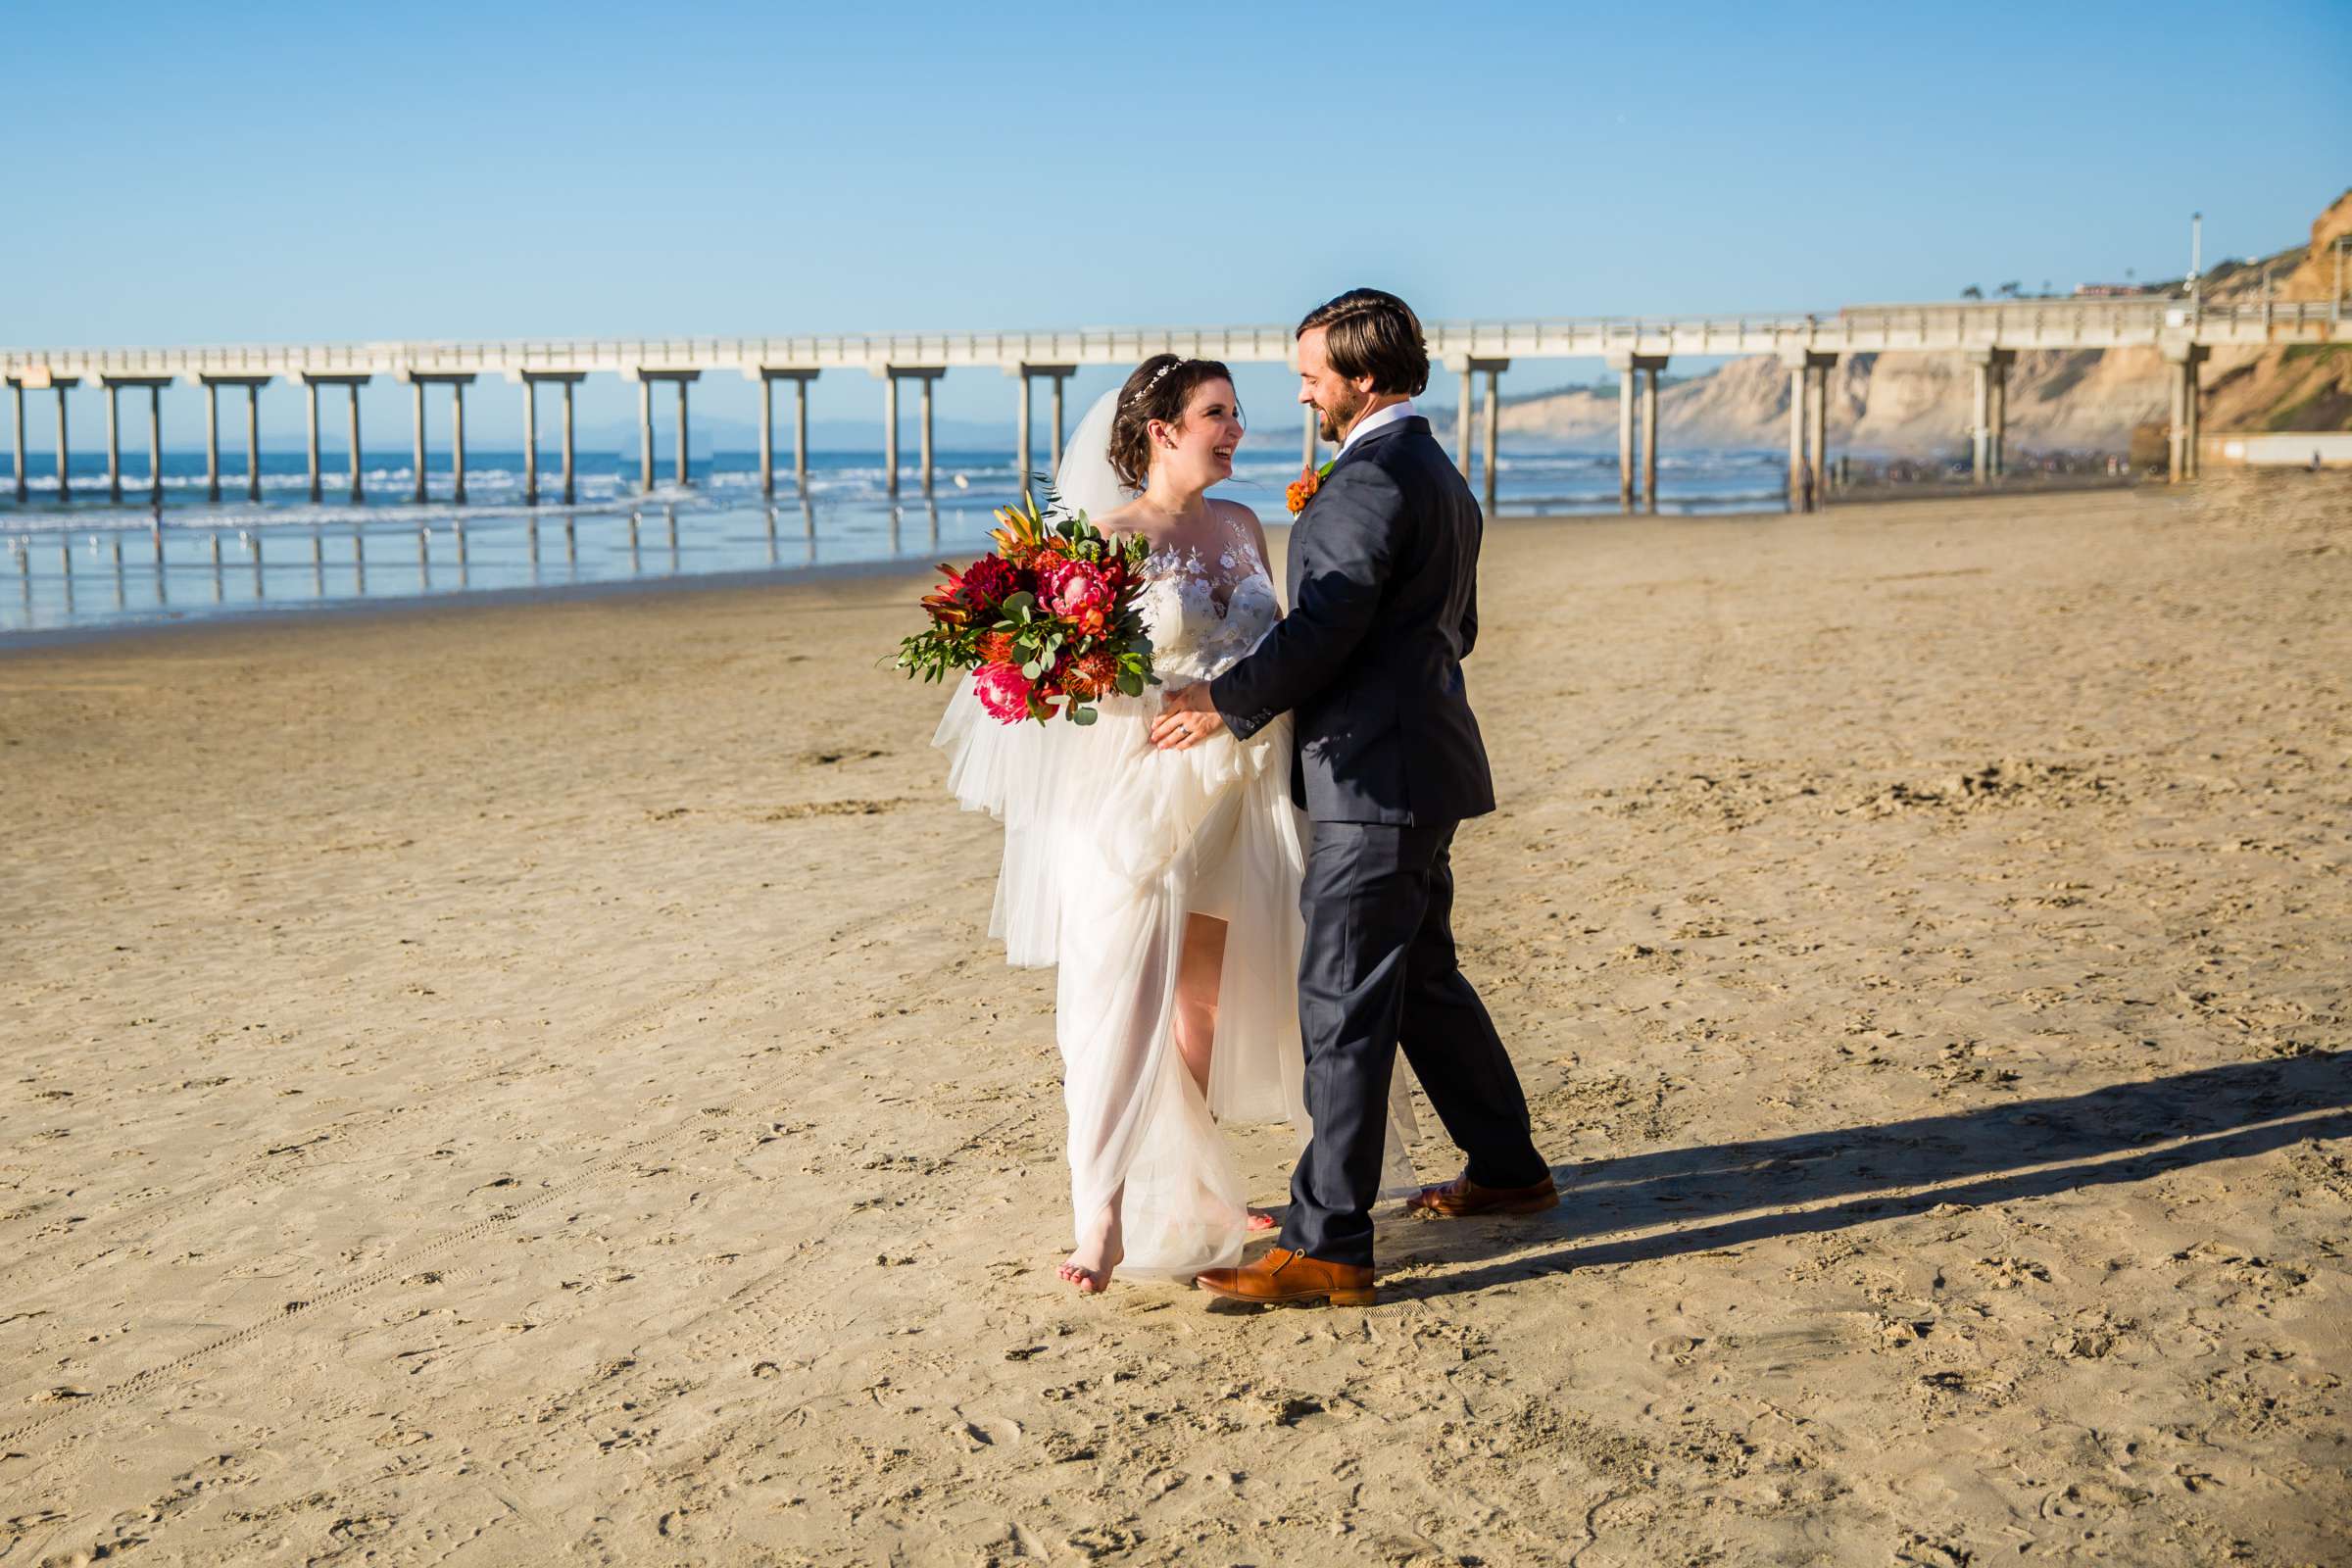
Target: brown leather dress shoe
point(1283, 1275)
point(1461, 1197)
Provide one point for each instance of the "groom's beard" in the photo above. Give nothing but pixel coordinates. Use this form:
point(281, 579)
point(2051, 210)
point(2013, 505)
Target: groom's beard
point(1340, 417)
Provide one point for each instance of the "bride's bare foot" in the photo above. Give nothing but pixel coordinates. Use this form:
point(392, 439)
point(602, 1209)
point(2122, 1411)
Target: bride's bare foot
point(1261, 1220)
point(1089, 1268)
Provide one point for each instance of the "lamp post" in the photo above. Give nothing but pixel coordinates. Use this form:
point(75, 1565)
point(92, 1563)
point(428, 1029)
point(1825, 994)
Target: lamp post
point(2197, 256)
point(2336, 301)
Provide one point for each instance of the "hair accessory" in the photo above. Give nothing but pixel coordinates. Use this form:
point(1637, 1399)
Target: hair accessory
point(1155, 381)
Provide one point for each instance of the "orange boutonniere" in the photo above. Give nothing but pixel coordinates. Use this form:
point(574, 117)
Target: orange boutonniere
point(1302, 489)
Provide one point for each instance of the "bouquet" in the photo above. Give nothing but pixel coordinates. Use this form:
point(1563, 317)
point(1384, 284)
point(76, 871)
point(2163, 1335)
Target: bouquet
point(1047, 617)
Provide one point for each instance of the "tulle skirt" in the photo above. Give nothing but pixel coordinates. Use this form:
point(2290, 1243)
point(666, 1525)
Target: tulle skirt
point(1110, 844)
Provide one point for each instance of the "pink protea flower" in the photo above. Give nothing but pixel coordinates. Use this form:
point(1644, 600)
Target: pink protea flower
point(1004, 691)
point(1073, 589)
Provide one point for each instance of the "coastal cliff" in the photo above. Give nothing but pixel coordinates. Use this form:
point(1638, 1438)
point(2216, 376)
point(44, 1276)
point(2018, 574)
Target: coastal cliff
point(2072, 400)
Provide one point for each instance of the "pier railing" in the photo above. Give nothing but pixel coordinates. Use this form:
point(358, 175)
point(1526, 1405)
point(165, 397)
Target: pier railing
point(1856, 329)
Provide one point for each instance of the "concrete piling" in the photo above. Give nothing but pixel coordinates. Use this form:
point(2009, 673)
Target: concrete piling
point(530, 447)
point(681, 468)
point(310, 390)
point(891, 376)
point(1989, 405)
point(253, 441)
point(114, 444)
point(212, 441)
point(1637, 407)
point(16, 386)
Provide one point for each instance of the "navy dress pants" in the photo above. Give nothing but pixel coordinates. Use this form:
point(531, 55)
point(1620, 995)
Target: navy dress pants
point(1378, 971)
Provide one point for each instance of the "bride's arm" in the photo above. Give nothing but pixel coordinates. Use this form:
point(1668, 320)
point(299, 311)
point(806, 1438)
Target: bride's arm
point(1340, 576)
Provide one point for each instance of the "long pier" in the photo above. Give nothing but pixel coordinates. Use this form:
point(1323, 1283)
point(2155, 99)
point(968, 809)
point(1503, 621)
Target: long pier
point(1987, 335)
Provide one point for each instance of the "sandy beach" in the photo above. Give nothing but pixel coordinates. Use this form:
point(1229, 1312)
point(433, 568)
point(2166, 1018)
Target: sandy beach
point(529, 1083)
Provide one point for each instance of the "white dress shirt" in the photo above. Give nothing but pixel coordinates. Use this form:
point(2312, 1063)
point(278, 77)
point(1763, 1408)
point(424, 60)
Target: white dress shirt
point(1370, 423)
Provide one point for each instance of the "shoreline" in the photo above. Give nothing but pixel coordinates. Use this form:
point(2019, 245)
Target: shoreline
point(427, 607)
point(168, 584)
point(400, 607)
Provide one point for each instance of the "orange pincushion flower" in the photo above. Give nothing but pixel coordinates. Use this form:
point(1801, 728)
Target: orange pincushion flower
point(996, 647)
point(1089, 676)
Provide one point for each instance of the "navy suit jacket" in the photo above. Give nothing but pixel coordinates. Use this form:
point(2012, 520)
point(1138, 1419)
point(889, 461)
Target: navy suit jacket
point(1384, 608)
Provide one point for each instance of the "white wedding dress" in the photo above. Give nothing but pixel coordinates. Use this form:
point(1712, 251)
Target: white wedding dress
point(1108, 845)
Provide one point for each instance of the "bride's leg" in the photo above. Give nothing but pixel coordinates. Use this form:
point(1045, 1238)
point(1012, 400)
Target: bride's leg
point(1196, 976)
point(1089, 1267)
point(1198, 973)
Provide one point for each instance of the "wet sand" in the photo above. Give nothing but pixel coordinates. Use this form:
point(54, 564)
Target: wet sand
point(525, 1083)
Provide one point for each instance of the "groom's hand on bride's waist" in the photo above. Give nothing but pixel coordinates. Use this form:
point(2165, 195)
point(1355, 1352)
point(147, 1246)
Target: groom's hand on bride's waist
point(1186, 719)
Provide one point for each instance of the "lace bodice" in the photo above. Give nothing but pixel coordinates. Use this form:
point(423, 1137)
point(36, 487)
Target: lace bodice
point(1206, 611)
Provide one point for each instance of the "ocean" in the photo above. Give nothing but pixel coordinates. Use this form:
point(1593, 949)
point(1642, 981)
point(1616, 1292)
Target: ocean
point(89, 563)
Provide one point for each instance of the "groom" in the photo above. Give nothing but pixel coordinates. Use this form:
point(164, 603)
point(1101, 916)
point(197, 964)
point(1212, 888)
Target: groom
point(1383, 608)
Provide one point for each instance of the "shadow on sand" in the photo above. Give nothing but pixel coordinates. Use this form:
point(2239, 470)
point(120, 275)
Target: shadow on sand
point(1769, 1187)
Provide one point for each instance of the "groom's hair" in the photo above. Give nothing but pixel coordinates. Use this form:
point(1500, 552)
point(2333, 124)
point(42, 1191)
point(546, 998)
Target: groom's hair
point(1367, 332)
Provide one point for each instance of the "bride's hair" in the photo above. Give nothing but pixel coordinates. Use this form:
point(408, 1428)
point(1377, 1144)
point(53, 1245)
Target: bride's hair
point(1159, 389)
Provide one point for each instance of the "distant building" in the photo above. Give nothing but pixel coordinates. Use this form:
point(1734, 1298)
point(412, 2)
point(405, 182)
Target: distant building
point(2106, 291)
point(2275, 449)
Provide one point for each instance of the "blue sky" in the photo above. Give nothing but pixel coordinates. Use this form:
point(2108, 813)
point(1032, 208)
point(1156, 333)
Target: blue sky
point(277, 171)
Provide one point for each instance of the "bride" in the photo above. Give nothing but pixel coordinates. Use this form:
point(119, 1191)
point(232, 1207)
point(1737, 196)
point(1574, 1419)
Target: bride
point(1163, 883)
